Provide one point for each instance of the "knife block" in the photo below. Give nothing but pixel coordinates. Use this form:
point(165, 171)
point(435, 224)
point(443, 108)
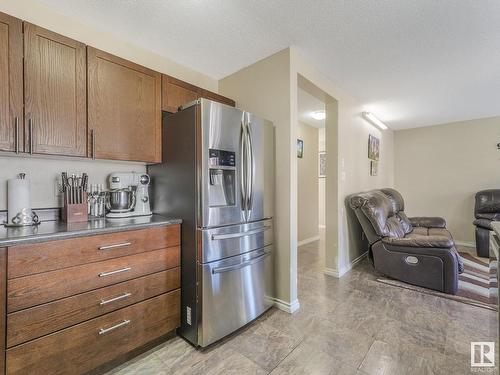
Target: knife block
point(74, 213)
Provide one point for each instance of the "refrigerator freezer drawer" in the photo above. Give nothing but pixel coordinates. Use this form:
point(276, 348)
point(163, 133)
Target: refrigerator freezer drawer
point(225, 242)
point(234, 292)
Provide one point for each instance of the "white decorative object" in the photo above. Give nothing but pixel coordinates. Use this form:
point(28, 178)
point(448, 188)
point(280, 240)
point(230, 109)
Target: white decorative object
point(19, 202)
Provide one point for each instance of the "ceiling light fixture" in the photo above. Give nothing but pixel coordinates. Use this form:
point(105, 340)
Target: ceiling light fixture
point(374, 120)
point(318, 115)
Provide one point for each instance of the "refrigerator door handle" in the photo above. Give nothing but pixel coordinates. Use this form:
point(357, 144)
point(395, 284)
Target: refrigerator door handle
point(242, 168)
point(238, 266)
point(250, 170)
point(240, 234)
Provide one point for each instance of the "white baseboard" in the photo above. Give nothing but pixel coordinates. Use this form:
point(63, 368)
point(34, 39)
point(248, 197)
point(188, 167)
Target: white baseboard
point(285, 306)
point(308, 240)
point(322, 226)
point(339, 273)
point(466, 244)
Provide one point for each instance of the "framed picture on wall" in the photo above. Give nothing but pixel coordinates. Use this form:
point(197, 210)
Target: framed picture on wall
point(373, 147)
point(300, 148)
point(373, 168)
point(322, 164)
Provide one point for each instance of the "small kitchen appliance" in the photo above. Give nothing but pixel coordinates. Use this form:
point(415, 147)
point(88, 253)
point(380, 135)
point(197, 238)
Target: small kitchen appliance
point(129, 195)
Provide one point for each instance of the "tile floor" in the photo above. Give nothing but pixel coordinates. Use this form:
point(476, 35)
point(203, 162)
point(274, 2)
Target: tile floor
point(352, 325)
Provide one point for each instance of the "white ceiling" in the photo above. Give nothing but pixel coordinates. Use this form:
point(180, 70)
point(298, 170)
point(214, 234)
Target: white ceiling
point(306, 104)
point(412, 63)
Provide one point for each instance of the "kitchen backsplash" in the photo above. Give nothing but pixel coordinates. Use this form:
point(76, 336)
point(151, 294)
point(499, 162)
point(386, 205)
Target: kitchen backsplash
point(43, 175)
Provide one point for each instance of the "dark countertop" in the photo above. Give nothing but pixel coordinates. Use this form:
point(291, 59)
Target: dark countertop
point(58, 230)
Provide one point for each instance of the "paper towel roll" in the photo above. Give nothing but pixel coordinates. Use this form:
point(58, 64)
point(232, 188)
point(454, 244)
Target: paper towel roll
point(18, 197)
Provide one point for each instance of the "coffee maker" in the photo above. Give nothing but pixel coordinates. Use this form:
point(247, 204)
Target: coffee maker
point(129, 195)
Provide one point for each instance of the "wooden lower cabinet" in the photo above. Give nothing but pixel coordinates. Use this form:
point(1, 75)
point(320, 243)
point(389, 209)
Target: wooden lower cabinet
point(28, 291)
point(3, 288)
point(88, 345)
point(75, 315)
point(44, 319)
point(49, 256)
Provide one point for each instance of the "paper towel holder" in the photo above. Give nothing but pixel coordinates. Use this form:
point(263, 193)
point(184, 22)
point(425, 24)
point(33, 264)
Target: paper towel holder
point(24, 218)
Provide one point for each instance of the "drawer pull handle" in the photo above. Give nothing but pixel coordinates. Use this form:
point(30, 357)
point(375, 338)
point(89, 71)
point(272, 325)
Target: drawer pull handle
point(102, 331)
point(117, 298)
point(115, 246)
point(109, 273)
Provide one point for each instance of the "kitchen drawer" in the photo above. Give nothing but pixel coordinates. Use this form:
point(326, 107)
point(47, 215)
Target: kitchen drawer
point(48, 256)
point(28, 291)
point(41, 320)
point(83, 347)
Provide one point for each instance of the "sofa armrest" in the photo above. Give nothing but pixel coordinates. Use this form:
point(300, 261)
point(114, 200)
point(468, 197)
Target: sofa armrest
point(424, 241)
point(428, 222)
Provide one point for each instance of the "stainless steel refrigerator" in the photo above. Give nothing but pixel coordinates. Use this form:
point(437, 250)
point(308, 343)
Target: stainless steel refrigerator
point(217, 174)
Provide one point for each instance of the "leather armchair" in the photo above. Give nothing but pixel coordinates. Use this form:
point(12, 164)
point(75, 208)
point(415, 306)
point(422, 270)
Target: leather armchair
point(417, 250)
point(486, 210)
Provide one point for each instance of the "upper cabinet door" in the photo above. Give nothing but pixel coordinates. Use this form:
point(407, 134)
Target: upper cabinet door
point(124, 109)
point(54, 93)
point(217, 98)
point(11, 84)
point(176, 93)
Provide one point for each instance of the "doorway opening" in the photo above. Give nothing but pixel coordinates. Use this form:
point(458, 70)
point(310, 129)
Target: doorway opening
point(317, 184)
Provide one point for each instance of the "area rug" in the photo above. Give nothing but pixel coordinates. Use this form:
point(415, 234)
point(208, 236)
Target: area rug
point(477, 285)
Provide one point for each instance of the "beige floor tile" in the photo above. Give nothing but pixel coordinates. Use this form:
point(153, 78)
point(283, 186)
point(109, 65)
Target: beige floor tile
point(306, 359)
point(264, 344)
point(385, 359)
point(223, 360)
point(400, 334)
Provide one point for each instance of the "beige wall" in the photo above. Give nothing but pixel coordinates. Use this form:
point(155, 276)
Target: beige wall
point(438, 169)
point(43, 172)
point(321, 183)
point(307, 184)
point(347, 165)
point(264, 89)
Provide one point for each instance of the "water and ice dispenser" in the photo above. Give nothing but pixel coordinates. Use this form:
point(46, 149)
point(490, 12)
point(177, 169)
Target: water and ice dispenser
point(222, 178)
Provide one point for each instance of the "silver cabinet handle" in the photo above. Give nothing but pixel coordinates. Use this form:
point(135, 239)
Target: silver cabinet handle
point(30, 126)
point(107, 247)
point(16, 124)
point(238, 266)
point(114, 299)
point(109, 273)
point(93, 144)
point(102, 331)
point(239, 234)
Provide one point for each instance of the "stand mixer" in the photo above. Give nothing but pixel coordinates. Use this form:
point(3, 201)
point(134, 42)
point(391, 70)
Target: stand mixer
point(129, 195)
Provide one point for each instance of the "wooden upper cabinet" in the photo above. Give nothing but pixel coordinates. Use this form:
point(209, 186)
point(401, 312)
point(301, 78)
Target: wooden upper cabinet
point(124, 109)
point(217, 98)
point(54, 93)
point(11, 84)
point(176, 93)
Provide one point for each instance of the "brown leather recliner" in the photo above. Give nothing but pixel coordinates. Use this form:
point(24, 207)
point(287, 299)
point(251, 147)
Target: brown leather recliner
point(486, 210)
point(418, 250)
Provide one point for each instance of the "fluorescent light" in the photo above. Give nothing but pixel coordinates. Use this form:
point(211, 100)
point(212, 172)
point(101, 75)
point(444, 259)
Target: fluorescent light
point(374, 120)
point(318, 115)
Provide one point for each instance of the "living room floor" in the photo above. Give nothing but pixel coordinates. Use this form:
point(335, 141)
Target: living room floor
point(352, 325)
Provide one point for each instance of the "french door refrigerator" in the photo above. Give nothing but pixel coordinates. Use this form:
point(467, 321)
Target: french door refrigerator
point(217, 174)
